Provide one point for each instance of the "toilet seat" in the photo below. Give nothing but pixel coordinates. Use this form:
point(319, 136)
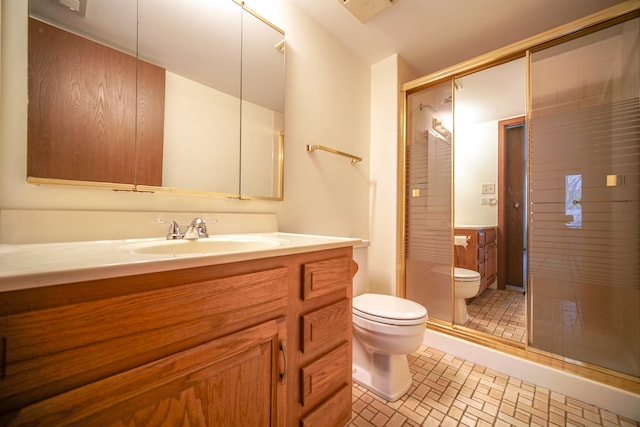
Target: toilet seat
point(465, 275)
point(389, 310)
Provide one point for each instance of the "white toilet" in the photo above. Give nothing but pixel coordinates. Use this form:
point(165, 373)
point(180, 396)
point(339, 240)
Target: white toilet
point(467, 285)
point(385, 330)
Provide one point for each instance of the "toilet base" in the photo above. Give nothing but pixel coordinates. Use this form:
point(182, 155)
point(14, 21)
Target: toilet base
point(461, 315)
point(388, 376)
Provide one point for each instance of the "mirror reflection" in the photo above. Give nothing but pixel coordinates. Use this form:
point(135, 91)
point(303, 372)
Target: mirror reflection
point(82, 94)
point(489, 165)
point(262, 108)
point(201, 53)
point(476, 124)
point(183, 101)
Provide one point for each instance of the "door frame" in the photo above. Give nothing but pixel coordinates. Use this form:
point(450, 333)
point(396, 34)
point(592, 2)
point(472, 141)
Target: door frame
point(501, 238)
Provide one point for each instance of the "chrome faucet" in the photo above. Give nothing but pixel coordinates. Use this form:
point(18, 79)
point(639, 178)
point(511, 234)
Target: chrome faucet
point(196, 230)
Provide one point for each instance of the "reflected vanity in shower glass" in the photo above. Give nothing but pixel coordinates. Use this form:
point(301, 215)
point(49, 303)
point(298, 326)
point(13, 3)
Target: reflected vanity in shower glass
point(581, 149)
point(429, 230)
point(584, 246)
point(483, 100)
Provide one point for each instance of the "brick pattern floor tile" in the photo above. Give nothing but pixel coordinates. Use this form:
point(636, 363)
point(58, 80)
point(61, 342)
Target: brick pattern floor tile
point(499, 313)
point(448, 391)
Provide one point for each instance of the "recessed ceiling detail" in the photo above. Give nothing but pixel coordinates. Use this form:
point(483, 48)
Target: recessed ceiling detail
point(364, 10)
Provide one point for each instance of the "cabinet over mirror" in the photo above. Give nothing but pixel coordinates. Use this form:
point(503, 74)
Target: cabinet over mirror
point(154, 95)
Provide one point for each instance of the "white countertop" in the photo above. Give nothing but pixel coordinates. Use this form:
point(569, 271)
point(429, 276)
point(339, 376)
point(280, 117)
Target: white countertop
point(35, 265)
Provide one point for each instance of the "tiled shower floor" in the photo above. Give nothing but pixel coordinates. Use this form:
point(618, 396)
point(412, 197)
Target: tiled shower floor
point(448, 391)
point(500, 313)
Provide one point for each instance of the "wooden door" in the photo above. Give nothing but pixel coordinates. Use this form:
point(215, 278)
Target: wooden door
point(511, 202)
point(231, 381)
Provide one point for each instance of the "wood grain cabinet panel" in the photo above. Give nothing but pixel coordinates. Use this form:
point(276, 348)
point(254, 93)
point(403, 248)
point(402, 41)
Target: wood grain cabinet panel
point(322, 377)
point(213, 384)
point(323, 357)
point(82, 122)
point(53, 350)
point(325, 277)
point(335, 411)
point(325, 326)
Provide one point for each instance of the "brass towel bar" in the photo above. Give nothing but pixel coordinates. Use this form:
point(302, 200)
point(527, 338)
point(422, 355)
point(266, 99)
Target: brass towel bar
point(353, 159)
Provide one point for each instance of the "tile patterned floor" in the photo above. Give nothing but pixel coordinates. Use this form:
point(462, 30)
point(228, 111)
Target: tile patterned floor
point(448, 391)
point(500, 313)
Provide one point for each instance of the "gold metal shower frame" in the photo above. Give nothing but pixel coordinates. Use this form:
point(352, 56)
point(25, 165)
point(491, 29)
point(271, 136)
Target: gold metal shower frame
point(522, 49)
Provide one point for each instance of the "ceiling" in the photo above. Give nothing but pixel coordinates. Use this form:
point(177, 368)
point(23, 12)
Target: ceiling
point(431, 35)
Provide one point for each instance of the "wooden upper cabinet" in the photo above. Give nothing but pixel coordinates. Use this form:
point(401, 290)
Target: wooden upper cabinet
point(95, 113)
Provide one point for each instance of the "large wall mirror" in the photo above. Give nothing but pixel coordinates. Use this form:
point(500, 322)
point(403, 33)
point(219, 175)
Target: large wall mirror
point(153, 95)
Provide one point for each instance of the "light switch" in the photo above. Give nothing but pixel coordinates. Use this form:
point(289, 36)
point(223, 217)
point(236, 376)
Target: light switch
point(488, 189)
point(489, 201)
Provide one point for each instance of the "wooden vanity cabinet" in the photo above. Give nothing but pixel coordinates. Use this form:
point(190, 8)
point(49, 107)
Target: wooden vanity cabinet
point(212, 346)
point(480, 254)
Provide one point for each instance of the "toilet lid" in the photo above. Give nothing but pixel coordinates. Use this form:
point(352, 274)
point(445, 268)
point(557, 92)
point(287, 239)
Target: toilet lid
point(389, 309)
point(465, 275)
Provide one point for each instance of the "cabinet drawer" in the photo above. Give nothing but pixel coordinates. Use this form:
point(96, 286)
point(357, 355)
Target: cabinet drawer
point(324, 277)
point(326, 375)
point(335, 411)
point(326, 326)
point(52, 350)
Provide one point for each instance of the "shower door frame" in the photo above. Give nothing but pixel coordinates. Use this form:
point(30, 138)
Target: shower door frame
point(591, 23)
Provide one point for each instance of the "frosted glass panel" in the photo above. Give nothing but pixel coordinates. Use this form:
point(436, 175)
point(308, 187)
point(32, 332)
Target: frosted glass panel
point(584, 192)
point(429, 219)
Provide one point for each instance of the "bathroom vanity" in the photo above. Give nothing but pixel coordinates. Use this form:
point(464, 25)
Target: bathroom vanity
point(481, 253)
point(260, 338)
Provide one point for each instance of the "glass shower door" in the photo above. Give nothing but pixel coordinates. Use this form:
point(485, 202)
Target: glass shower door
point(584, 192)
point(429, 230)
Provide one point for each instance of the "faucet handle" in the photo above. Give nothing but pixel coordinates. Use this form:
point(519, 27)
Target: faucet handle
point(197, 229)
point(174, 229)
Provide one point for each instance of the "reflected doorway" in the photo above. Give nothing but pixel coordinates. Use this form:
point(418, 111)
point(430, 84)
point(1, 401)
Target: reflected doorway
point(511, 203)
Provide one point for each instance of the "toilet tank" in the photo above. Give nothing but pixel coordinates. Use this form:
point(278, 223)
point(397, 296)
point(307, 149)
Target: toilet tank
point(361, 279)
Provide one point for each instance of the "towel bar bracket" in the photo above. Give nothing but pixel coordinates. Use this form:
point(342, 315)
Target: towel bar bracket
point(352, 159)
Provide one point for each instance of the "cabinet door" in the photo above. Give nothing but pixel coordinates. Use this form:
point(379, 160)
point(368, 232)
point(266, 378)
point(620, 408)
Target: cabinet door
point(490, 259)
point(231, 381)
point(468, 257)
point(46, 352)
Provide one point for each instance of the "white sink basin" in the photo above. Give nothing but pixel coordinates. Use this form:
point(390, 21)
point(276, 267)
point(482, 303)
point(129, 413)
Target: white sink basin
point(209, 245)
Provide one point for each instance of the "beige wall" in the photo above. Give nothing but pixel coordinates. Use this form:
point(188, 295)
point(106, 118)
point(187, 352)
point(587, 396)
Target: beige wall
point(327, 102)
point(386, 77)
